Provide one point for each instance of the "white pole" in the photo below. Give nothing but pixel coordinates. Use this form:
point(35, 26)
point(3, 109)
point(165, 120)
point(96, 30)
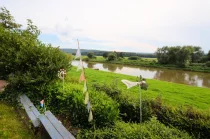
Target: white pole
point(63, 82)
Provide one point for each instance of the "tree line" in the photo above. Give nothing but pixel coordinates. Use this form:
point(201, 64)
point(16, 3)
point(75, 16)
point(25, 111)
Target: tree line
point(125, 54)
point(181, 55)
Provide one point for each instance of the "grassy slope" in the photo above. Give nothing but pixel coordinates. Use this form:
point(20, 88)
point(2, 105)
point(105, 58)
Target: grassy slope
point(10, 126)
point(173, 94)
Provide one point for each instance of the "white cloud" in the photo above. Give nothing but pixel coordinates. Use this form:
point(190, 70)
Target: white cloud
point(112, 21)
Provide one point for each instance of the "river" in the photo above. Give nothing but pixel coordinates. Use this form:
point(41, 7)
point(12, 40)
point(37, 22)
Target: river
point(177, 76)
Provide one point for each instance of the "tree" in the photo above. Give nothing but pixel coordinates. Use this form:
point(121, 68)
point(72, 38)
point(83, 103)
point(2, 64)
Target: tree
point(178, 55)
point(121, 54)
point(7, 21)
point(90, 55)
point(162, 55)
point(197, 54)
point(208, 55)
point(112, 56)
point(24, 60)
point(105, 54)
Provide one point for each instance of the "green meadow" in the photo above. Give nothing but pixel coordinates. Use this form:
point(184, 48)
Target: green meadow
point(171, 93)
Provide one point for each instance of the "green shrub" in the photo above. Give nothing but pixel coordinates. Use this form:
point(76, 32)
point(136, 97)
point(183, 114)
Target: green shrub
point(134, 58)
point(112, 56)
point(26, 62)
point(120, 58)
point(193, 122)
point(190, 120)
point(70, 103)
point(129, 105)
point(90, 55)
point(86, 59)
point(149, 130)
point(208, 63)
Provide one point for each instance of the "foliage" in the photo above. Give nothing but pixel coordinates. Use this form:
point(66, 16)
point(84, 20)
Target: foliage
point(105, 54)
point(120, 58)
point(178, 55)
point(120, 54)
point(129, 105)
point(85, 59)
point(208, 63)
point(26, 62)
point(112, 56)
point(134, 58)
point(190, 120)
point(149, 130)
point(208, 55)
point(70, 104)
point(204, 59)
point(101, 53)
point(90, 55)
point(7, 20)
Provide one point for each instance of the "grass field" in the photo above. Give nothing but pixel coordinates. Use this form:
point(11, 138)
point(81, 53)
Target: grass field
point(172, 94)
point(11, 127)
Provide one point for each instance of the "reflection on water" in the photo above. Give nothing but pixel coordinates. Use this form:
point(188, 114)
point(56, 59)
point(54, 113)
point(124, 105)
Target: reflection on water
point(177, 76)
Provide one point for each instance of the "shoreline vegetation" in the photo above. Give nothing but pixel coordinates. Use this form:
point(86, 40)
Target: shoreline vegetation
point(149, 62)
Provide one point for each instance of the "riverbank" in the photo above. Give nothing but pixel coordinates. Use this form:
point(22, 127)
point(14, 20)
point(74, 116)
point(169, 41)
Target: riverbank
point(151, 62)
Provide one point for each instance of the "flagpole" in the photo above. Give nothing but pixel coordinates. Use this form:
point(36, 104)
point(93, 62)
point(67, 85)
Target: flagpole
point(79, 47)
point(63, 83)
point(83, 70)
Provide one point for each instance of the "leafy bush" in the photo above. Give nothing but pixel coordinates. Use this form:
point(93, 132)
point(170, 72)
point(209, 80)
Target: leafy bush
point(85, 59)
point(149, 130)
point(195, 123)
point(70, 103)
point(134, 58)
point(129, 105)
point(190, 120)
point(90, 55)
point(208, 64)
point(27, 63)
point(120, 58)
point(112, 56)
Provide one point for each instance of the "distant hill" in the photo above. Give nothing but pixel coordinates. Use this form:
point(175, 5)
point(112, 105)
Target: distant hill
point(101, 52)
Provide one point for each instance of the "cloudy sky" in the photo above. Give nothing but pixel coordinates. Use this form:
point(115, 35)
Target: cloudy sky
point(120, 25)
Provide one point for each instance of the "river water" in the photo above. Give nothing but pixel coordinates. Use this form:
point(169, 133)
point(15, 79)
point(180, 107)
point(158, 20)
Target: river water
point(177, 76)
